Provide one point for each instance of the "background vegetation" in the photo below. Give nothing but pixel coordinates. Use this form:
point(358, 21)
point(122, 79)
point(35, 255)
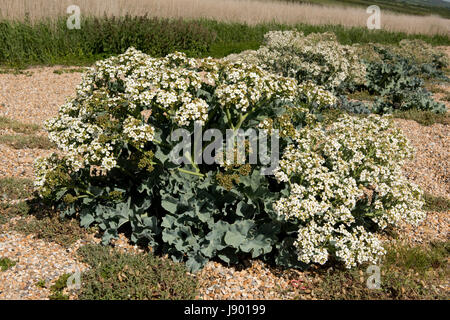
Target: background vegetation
point(49, 41)
point(243, 11)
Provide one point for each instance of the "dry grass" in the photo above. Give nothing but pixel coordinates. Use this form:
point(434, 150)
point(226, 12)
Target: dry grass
point(249, 11)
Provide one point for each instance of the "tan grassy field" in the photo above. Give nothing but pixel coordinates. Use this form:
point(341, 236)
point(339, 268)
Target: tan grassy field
point(249, 11)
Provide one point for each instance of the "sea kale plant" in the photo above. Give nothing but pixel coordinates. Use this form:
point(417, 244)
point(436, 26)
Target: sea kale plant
point(332, 189)
point(431, 61)
point(317, 57)
point(396, 79)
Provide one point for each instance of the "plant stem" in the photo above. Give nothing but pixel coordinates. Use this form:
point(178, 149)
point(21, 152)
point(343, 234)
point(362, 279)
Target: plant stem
point(227, 113)
point(191, 172)
point(191, 160)
point(242, 118)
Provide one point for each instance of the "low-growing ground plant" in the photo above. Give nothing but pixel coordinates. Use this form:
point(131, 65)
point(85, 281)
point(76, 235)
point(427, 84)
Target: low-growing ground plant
point(57, 289)
point(15, 71)
point(447, 97)
point(434, 87)
point(41, 284)
point(15, 188)
point(362, 95)
point(436, 203)
point(114, 275)
point(26, 142)
point(6, 263)
point(69, 70)
point(334, 188)
point(17, 126)
point(46, 224)
point(425, 118)
point(407, 272)
point(8, 211)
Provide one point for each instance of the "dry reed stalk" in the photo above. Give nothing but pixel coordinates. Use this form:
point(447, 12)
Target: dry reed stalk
point(248, 11)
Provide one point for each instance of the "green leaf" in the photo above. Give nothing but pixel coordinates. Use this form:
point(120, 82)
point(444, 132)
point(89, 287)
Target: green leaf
point(257, 246)
point(169, 204)
point(238, 232)
point(86, 220)
point(60, 194)
point(196, 262)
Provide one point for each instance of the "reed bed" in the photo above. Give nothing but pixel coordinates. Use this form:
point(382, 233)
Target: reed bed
point(251, 12)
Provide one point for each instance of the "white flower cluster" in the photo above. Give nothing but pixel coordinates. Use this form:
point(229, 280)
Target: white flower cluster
point(124, 98)
point(139, 132)
point(80, 141)
point(42, 166)
point(315, 94)
point(246, 85)
point(341, 178)
point(197, 111)
point(355, 247)
point(172, 83)
point(317, 57)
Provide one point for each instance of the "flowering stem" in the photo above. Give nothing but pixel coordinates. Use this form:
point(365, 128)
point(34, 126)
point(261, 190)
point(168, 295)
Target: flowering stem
point(191, 172)
point(227, 113)
point(242, 118)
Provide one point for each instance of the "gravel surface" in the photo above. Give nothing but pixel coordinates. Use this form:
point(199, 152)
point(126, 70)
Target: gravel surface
point(36, 260)
point(430, 166)
point(36, 95)
point(255, 281)
point(19, 163)
point(32, 99)
point(436, 227)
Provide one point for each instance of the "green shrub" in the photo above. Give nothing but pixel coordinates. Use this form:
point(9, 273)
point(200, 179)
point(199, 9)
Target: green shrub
point(156, 37)
point(122, 276)
point(50, 41)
